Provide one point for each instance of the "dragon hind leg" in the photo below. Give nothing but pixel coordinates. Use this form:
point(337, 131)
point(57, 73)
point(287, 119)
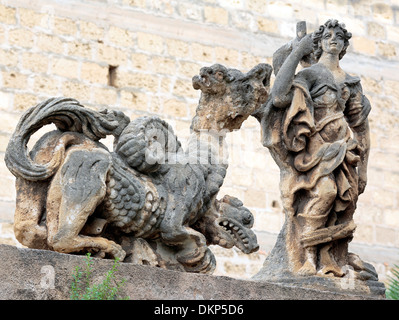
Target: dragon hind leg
point(29, 212)
point(74, 194)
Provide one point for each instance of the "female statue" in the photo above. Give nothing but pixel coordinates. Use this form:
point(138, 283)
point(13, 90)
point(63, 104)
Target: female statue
point(315, 126)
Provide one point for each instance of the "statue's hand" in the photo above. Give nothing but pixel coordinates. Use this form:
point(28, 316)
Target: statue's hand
point(304, 46)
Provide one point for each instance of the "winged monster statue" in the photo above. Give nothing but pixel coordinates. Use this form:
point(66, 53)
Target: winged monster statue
point(147, 201)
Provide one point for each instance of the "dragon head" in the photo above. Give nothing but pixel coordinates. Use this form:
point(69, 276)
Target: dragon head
point(228, 96)
point(229, 224)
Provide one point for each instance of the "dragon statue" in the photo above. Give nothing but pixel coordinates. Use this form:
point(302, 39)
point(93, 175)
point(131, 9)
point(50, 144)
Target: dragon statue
point(148, 201)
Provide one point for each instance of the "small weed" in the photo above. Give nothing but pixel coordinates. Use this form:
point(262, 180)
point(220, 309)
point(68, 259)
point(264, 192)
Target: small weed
point(82, 287)
point(392, 291)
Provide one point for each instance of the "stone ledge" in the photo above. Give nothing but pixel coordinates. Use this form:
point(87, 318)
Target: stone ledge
point(29, 274)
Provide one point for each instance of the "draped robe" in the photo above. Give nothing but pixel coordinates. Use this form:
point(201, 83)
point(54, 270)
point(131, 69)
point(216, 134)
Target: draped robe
point(311, 140)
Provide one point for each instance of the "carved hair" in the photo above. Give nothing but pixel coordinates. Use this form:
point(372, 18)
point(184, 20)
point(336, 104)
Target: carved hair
point(318, 35)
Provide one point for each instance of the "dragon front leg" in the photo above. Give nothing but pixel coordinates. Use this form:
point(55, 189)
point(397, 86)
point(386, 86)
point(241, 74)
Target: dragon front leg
point(192, 250)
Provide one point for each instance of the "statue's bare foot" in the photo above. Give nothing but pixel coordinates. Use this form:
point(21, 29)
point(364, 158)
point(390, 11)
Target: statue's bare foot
point(332, 269)
point(308, 269)
point(329, 266)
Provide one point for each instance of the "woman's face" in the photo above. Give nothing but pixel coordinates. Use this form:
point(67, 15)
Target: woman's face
point(333, 40)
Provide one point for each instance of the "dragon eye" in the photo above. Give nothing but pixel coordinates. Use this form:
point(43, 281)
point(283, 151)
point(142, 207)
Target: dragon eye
point(219, 75)
point(247, 218)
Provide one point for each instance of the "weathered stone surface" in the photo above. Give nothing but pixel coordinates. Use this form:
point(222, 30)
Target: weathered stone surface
point(27, 274)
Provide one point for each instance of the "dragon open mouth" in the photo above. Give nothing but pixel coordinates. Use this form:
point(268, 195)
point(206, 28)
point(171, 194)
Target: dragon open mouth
point(201, 82)
point(235, 231)
point(234, 234)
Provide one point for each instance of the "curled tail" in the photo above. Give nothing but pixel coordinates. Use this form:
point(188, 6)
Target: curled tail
point(68, 116)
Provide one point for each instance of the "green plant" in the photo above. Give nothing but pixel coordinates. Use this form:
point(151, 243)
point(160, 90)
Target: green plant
point(82, 287)
point(392, 291)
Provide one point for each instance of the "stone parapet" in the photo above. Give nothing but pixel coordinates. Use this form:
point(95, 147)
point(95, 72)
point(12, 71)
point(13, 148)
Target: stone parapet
point(29, 274)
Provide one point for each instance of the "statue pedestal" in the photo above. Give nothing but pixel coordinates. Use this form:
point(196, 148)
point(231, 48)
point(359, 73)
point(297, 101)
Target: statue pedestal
point(29, 274)
point(370, 288)
point(278, 267)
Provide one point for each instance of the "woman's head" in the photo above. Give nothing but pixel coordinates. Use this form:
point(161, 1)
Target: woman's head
point(331, 36)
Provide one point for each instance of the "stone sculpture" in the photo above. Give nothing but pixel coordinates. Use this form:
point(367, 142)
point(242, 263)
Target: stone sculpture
point(147, 202)
point(315, 126)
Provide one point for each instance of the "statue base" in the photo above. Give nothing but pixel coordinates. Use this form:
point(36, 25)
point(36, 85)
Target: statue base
point(278, 267)
point(345, 285)
point(31, 274)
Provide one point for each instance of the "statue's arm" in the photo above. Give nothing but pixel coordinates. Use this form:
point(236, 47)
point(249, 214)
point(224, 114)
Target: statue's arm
point(357, 110)
point(281, 92)
point(362, 135)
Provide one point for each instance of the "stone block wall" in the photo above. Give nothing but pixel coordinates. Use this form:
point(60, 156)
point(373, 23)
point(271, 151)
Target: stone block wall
point(139, 56)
